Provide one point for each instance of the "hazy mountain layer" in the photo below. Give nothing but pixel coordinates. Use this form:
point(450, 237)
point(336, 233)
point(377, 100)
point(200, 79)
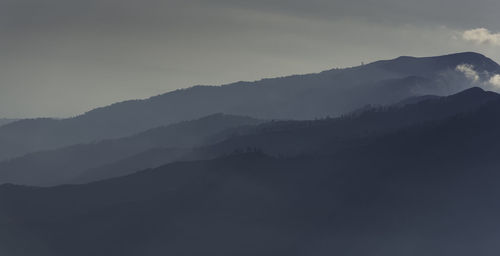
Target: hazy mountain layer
point(4, 121)
point(66, 164)
point(291, 138)
point(332, 92)
point(193, 140)
point(427, 189)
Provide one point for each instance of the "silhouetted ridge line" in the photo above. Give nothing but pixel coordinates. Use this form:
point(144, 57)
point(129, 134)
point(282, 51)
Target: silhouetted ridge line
point(219, 134)
point(331, 93)
point(66, 164)
point(416, 187)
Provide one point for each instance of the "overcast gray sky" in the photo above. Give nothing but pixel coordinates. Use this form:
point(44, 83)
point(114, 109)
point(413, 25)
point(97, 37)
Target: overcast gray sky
point(64, 57)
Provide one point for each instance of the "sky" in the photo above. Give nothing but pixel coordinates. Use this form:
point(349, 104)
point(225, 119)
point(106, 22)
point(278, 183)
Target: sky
point(60, 58)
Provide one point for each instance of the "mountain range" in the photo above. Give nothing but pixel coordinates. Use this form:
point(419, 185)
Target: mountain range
point(329, 93)
point(220, 134)
point(59, 166)
point(424, 188)
point(396, 157)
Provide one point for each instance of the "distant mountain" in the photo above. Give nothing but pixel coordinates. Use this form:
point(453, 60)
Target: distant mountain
point(218, 135)
point(4, 121)
point(320, 137)
point(308, 137)
point(427, 189)
point(332, 93)
point(277, 138)
point(147, 159)
point(416, 99)
point(65, 164)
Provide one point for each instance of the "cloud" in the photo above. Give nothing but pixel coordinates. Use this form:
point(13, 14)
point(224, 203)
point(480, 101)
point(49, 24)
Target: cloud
point(481, 36)
point(468, 71)
point(495, 80)
point(485, 80)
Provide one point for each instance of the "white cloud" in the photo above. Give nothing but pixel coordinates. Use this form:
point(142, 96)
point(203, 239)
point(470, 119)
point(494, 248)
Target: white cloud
point(485, 80)
point(495, 80)
point(481, 36)
point(468, 71)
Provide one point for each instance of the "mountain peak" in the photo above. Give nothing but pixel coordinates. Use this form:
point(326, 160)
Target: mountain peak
point(474, 94)
point(464, 55)
point(478, 60)
point(472, 90)
point(426, 66)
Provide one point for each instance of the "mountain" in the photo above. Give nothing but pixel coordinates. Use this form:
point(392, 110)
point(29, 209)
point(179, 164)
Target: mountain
point(426, 189)
point(304, 137)
point(292, 138)
point(66, 164)
point(4, 121)
point(329, 93)
point(218, 135)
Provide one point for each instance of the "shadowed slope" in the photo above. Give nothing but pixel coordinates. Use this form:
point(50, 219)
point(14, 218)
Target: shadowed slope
point(290, 138)
point(426, 190)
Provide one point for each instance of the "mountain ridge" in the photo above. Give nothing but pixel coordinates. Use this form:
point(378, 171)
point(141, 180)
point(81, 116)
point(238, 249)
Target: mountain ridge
point(277, 138)
point(413, 187)
point(62, 165)
point(329, 93)
point(395, 157)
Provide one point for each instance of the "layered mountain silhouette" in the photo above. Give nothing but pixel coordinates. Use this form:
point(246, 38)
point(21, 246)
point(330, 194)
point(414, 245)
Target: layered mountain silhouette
point(64, 165)
point(396, 157)
point(428, 188)
point(219, 134)
point(332, 93)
